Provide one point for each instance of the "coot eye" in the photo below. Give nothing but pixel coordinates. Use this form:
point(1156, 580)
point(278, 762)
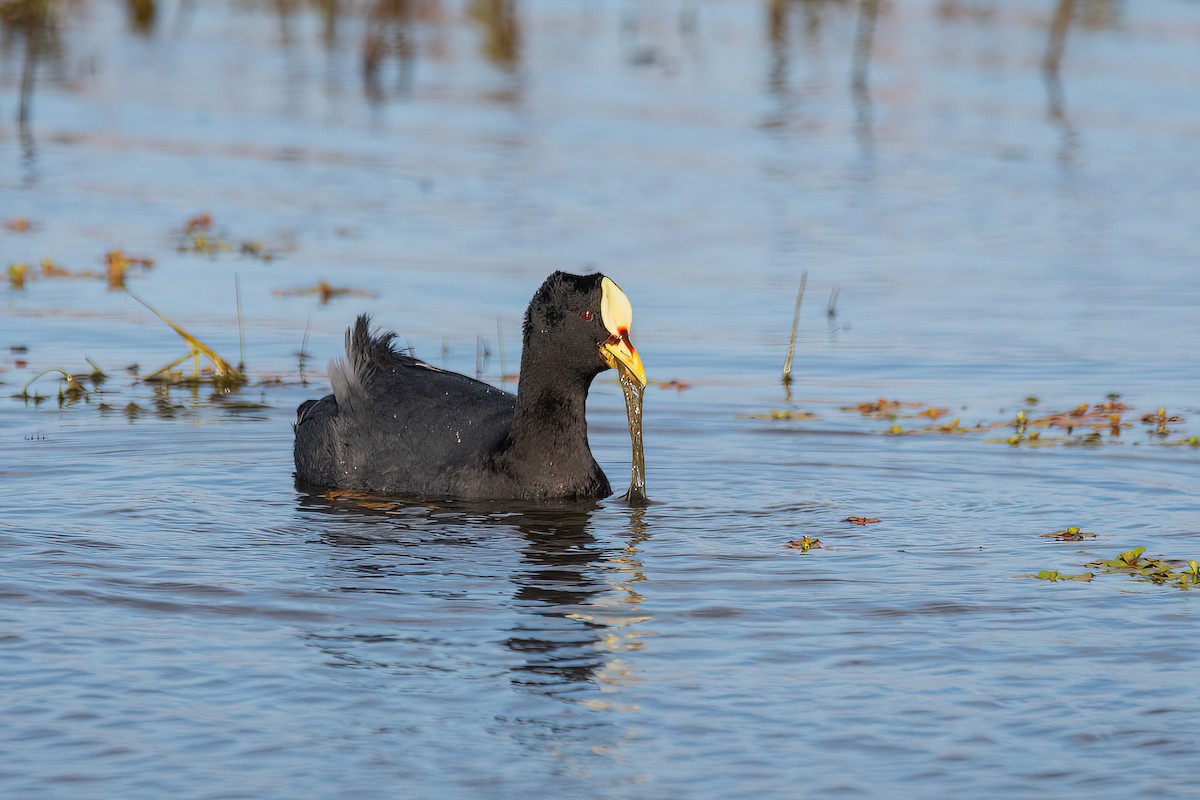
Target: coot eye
point(586, 315)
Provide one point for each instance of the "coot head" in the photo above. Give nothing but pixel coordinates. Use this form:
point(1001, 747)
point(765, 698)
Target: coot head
point(581, 324)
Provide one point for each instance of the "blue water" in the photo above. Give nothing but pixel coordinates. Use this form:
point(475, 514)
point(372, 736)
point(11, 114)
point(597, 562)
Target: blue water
point(177, 620)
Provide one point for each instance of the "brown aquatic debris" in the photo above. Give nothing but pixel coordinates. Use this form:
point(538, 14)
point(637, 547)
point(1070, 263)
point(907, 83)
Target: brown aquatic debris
point(52, 270)
point(677, 385)
point(200, 222)
point(861, 520)
point(21, 225)
point(882, 405)
point(324, 292)
point(881, 408)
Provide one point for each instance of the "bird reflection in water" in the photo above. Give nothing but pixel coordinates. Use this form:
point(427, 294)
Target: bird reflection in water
point(576, 598)
point(573, 624)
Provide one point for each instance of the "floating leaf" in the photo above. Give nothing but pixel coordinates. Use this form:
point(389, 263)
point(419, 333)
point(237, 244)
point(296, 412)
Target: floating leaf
point(199, 236)
point(1054, 576)
point(20, 225)
point(861, 520)
point(804, 544)
point(1069, 534)
point(879, 407)
point(1128, 560)
point(200, 222)
point(16, 275)
point(117, 265)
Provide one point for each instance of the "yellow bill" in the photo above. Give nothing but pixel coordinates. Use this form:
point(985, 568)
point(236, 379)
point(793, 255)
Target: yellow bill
point(616, 313)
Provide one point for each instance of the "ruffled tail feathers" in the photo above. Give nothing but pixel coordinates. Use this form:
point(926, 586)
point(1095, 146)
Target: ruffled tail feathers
point(366, 354)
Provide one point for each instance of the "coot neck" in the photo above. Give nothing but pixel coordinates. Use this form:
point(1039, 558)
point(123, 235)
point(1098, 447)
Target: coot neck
point(549, 422)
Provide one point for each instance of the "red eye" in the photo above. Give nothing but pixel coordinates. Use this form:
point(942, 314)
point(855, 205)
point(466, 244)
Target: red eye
point(586, 315)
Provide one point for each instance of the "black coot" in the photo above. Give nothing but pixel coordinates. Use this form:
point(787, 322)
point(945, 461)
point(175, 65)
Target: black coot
point(396, 425)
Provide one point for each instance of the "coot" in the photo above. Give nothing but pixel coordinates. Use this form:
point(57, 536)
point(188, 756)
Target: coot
point(396, 425)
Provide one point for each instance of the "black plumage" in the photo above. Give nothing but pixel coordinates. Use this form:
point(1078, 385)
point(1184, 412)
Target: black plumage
point(396, 425)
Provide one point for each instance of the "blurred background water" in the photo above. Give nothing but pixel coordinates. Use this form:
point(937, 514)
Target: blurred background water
point(992, 200)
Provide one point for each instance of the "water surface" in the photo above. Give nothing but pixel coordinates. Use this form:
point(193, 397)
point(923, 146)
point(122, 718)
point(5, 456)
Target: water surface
point(177, 620)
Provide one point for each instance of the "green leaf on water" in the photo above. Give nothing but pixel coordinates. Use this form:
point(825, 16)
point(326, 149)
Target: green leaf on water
point(1071, 533)
point(804, 544)
point(1054, 576)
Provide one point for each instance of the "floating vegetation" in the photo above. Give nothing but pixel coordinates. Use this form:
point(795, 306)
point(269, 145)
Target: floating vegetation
point(781, 414)
point(1190, 575)
point(219, 372)
point(1093, 439)
point(1134, 563)
point(1112, 403)
point(1190, 441)
point(200, 222)
point(1033, 439)
point(200, 236)
point(1071, 533)
point(17, 274)
point(953, 426)
point(324, 292)
point(677, 385)
point(21, 225)
point(70, 388)
point(1087, 425)
point(879, 408)
point(255, 249)
point(1054, 576)
point(804, 544)
point(98, 375)
point(117, 266)
point(1160, 420)
point(1104, 416)
point(861, 520)
point(52, 270)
